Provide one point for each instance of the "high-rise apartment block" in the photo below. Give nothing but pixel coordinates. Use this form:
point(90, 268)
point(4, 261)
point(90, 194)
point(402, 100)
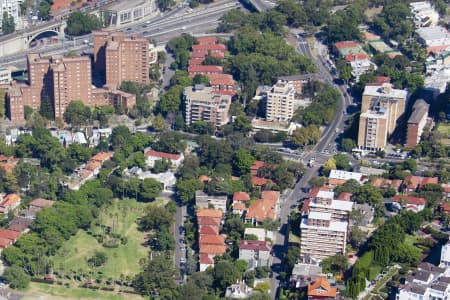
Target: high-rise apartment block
point(280, 104)
point(204, 104)
point(381, 107)
point(72, 80)
point(122, 58)
point(324, 229)
point(12, 7)
point(416, 123)
point(39, 79)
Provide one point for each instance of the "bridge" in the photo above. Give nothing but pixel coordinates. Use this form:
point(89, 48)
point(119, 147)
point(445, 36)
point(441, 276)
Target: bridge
point(21, 39)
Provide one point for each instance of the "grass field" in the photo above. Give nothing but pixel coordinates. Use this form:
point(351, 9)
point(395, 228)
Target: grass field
point(53, 292)
point(444, 129)
point(121, 215)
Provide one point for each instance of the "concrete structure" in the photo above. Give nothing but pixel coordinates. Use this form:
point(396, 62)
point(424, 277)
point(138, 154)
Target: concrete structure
point(427, 283)
point(204, 104)
point(14, 102)
point(40, 80)
point(119, 57)
point(20, 40)
point(5, 76)
point(416, 123)
point(280, 102)
point(71, 81)
point(126, 12)
point(382, 106)
point(322, 237)
point(255, 253)
point(324, 202)
point(203, 200)
point(346, 175)
point(12, 8)
point(424, 14)
point(306, 271)
point(240, 290)
point(445, 256)
point(298, 81)
point(260, 233)
point(360, 64)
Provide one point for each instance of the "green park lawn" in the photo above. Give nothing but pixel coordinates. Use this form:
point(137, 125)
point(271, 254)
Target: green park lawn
point(120, 217)
point(444, 129)
point(54, 292)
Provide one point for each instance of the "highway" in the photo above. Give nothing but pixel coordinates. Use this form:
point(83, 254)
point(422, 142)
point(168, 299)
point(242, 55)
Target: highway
point(161, 29)
point(328, 138)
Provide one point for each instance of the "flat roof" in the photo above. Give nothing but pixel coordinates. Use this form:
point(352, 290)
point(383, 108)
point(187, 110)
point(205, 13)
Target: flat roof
point(325, 194)
point(346, 175)
point(336, 205)
point(433, 33)
point(385, 90)
point(420, 109)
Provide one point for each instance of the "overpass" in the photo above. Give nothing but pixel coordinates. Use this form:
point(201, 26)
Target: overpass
point(20, 40)
point(262, 5)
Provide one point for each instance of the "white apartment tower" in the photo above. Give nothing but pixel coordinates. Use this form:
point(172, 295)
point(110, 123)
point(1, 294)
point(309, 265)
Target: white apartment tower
point(280, 104)
point(12, 8)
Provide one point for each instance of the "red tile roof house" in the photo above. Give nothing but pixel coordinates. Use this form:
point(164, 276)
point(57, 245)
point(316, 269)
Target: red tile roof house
point(264, 208)
point(255, 253)
point(153, 156)
point(5, 243)
point(204, 70)
point(414, 204)
point(41, 203)
point(206, 40)
point(10, 234)
point(413, 183)
point(209, 48)
point(9, 203)
point(222, 83)
point(239, 200)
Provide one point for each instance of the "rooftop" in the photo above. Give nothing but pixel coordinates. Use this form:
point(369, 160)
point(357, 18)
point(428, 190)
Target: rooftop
point(211, 239)
point(205, 40)
point(346, 44)
point(254, 245)
point(433, 33)
point(162, 155)
point(420, 109)
point(241, 196)
point(213, 249)
point(334, 226)
point(208, 47)
point(208, 230)
point(321, 288)
point(384, 90)
point(345, 175)
point(409, 199)
point(10, 199)
point(213, 213)
point(43, 203)
point(325, 194)
point(220, 79)
point(9, 234)
point(319, 216)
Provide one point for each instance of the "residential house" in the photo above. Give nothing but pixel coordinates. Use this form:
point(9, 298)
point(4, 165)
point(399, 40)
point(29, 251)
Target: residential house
point(10, 234)
point(239, 203)
point(264, 208)
point(153, 156)
point(435, 38)
point(203, 200)
point(383, 183)
point(5, 243)
point(255, 253)
point(427, 283)
point(211, 243)
point(9, 203)
point(367, 214)
point(414, 183)
point(222, 84)
point(239, 290)
point(305, 272)
point(204, 70)
point(40, 203)
point(8, 163)
point(346, 47)
point(360, 64)
point(414, 204)
point(20, 224)
point(321, 289)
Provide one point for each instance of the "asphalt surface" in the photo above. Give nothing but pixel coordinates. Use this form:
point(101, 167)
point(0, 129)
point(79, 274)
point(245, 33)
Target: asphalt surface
point(326, 142)
point(162, 29)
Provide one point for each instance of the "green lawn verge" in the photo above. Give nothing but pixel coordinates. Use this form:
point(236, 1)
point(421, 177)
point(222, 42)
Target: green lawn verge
point(55, 292)
point(120, 218)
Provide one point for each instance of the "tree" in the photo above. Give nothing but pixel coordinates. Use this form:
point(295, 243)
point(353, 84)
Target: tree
point(161, 165)
point(46, 109)
point(163, 5)
point(201, 79)
point(77, 114)
point(44, 9)
point(155, 217)
point(98, 259)
point(225, 274)
point(8, 25)
point(345, 70)
point(159, 123)
point(80, 23)
point(16, 277)
point(156, 277)
point(317, 181)
point(242, 161)
point(149, 189)
point(342, 162)
point(357, 237)
point(348, 145)
point(335, 264)
point(171, 100)
point(242, 123)
point(263, 287)
point(186, 189)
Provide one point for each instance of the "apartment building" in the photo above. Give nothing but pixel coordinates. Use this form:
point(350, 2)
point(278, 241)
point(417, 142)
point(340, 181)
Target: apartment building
point(12, 8)
point(445, 256)
point(5, 76)
point(280, 102)
point(14, 102)
point(71, 81)
point(203, 200)
point(122, 58)
point(39, 79)
point(381, 107)
point(204, 104)
point(255, 253)
point(424, 14)
point(416, 123)
point(324, 202)
point(321, 237)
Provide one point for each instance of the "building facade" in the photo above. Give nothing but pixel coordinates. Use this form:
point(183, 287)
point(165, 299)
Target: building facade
point(381, 107)
point(12, 8)
point(128, 12)
point(416, 123)
point(71, 81)
point(39, 79)
point(255, 253)
point(280, 102)
point(204, 104)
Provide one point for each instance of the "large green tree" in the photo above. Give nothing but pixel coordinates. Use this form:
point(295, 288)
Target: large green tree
point(77, 114)
point(80, 23)
point(8, 25)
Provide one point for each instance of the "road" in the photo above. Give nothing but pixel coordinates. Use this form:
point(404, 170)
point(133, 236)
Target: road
point(329, 136)
point(161, 29)
point(180, 245)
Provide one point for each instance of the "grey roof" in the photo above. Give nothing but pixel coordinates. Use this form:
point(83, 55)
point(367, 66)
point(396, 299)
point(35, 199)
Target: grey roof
point(441, 286)
point(422, 275)
point(306, 270)
point(430, 268)
point(417, 289)
point(420, 109)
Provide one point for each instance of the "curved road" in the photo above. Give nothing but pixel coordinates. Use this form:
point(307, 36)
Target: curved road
point(298, 192)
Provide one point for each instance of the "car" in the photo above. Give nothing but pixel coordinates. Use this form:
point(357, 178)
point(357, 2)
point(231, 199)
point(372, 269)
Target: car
point(145, 33)
point(144, 26)
point(129, 29)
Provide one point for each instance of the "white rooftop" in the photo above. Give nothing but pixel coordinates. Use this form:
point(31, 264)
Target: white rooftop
point(325, 194)
point(261, 233)
point(335, 205)
point(433, 33)
point(384, 90)
point(334, 226)
point(320, 216)
point(345, 175)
